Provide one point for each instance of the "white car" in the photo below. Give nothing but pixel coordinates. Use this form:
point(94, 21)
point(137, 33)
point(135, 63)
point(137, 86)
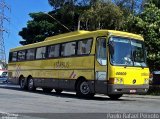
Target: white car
point(3, 76)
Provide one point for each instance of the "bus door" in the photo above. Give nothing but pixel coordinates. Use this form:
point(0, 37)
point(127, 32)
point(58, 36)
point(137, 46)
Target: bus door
point(101, 66)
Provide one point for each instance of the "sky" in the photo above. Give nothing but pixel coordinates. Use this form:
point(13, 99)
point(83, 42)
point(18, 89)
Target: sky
point(18, 16)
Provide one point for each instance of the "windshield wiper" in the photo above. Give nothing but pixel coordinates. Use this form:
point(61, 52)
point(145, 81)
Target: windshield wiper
point(128, 63)
point(125, 66)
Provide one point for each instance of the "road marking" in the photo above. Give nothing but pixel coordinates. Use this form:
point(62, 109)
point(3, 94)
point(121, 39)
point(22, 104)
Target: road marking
point(6, 115)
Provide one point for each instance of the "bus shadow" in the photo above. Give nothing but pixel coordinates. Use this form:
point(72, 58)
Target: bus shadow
point(64, 94)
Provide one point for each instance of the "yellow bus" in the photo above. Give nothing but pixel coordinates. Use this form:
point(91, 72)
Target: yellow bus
point(89, 62)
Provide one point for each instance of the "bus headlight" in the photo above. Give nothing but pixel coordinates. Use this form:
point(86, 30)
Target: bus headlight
point(146, 81)
point(116, 81)
point(121, 81)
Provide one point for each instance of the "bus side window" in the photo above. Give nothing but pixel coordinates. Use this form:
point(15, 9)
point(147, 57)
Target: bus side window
point(84, 47)
point(68, 49)
point(21, 55)
point(101, 52)
point(53, 51)
point(41, 53)
point(14, 56)
point(10, 57)
point(30, 54)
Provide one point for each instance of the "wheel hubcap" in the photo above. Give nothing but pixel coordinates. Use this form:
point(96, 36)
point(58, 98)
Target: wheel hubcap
point(31, 83)
point(22, 83)
point(84, 88)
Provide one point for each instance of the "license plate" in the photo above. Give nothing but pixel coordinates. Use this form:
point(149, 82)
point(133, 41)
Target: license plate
point(132, 91)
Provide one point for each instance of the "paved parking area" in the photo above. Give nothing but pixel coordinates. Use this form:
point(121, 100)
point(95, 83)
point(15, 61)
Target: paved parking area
point(42, 105)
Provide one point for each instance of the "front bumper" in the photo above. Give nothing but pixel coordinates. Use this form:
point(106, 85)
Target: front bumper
point(127, 89)
point(3, 79)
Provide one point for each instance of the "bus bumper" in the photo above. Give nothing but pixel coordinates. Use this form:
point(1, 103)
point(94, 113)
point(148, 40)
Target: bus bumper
point(127, 89)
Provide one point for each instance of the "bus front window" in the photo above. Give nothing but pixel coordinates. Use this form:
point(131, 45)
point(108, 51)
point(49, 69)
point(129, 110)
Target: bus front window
point(120, 51)
point(126, 52)
point(138, 53)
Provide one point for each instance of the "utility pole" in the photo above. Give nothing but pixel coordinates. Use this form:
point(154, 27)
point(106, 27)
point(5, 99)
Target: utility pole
point(3, 6)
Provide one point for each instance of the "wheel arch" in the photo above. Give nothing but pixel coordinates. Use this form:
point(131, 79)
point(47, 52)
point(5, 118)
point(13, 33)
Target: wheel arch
point(20, 77)
point(81, 78)
point(29, 76)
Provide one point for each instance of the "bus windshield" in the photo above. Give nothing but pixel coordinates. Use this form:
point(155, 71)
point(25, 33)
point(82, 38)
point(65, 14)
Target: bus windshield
point(127, 52)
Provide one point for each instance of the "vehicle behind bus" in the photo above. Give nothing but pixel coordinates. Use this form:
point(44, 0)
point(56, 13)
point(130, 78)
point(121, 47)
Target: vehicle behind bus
point(3, 73)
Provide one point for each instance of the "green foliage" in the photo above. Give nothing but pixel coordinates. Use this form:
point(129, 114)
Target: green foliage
point(148, 24)
point(137, 16)
point(155, 2)
point(129, 6)
point(37, 29)
point(102, 15)
point(94, 14)
point(60, 3)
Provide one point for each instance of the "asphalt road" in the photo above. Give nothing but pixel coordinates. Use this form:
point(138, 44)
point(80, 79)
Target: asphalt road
point(15, 103)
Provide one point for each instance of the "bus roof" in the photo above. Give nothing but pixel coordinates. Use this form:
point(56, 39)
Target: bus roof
point(80, 34)
point(70, 34)
point(125, 34)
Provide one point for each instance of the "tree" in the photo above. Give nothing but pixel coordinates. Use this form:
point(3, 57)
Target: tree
point(129, 6)
point(102, 15)
point(40, 27)
point(68, 13)
point(92, 14)
point(65, 12)
point(44, 25)
point(155, 2)
point(148, 24)
point(60, 3)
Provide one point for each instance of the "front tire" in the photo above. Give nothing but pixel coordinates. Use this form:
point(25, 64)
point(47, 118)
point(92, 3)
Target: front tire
point(115, 96)
point(83, 89)
point(31, 86)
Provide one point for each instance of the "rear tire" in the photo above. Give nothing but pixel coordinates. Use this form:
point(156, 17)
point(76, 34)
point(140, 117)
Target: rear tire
point(47, 90)
point(58, 91)
point(83, 89)
point(31, 86)
point(22, 83)
point(115, 96)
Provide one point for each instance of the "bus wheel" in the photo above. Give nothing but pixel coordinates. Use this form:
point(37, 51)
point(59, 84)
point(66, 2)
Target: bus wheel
point(47, 90)
point(31, 86)
point(22, 83)
point(115, 96)
point(83, 89)
point(58, 91)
